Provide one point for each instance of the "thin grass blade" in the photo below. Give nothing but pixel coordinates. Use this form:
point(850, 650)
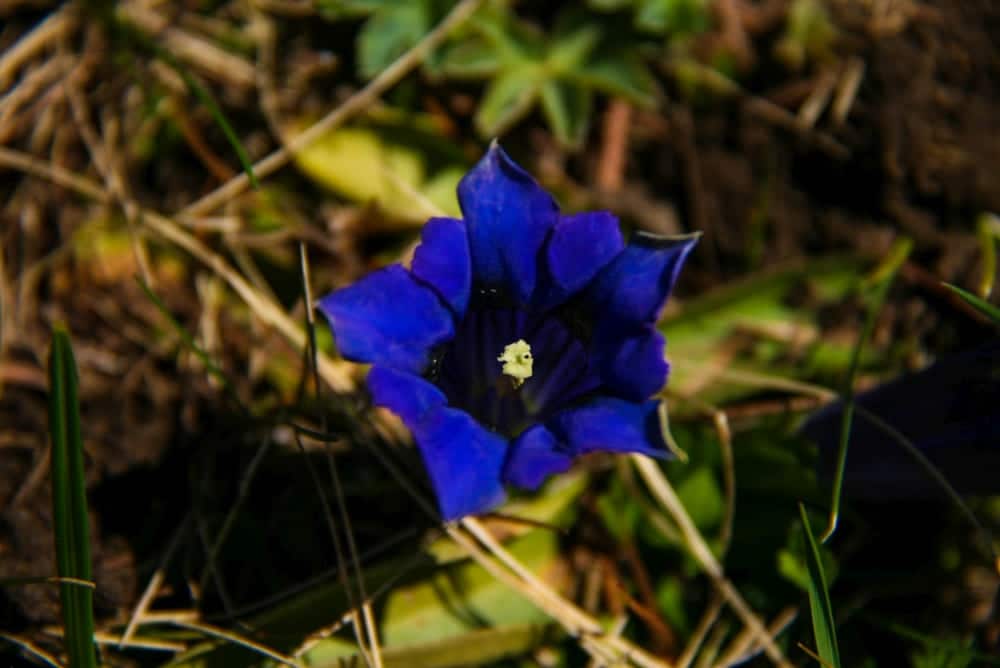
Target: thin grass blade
point(819, 599)
point(186, 337)
point(199, 91)
point(206, 99)
point(978, 303)
point(882, 280)
point(69, 502)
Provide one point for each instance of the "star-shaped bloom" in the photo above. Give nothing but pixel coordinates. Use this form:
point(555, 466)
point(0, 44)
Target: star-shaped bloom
point(519, 339)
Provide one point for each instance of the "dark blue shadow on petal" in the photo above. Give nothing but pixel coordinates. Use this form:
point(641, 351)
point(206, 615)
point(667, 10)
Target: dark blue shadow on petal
point(442, 260)
point(631, 365)
point(611, 425)
point(580, 246)
point(508, 216)
point(634, 286)
point(950, 412)
point(533, 457)
point(388, 318)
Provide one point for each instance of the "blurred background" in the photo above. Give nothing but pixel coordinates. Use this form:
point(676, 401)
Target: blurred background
point(174, 177)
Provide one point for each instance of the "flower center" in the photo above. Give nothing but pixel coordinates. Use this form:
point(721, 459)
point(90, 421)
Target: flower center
point(517, 361)
point(542, 367)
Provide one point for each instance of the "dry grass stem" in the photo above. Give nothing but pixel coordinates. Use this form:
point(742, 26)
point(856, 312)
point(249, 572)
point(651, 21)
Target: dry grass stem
point(354, 105)
point(708, 619)
point(665, 494)
point(30, 86)
point(53, 28)
point(743, 647)
point(847, 90)
point(54, 173)
point(710, 650)
point(158, 644)
point(140, 609)
point(578, 623)
point(581, 621)
point(236, 639)
point(598, 646)
point(200, 53)
point(339, 374)
point(102, 155)
point(31, 649)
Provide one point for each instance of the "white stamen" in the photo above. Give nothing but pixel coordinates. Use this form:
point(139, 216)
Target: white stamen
point(517, 360)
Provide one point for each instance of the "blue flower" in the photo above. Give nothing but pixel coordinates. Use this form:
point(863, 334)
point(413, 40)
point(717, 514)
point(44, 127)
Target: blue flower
point(519, 339)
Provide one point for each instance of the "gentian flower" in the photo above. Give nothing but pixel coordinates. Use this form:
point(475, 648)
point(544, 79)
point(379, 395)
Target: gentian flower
point(519, 339)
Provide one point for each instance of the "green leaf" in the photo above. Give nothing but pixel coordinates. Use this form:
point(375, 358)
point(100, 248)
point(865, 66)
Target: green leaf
point(569, 52)
point(978, 303)
point(673, 17)
point(472, 648)
point(389, 33)
point(793, 567)
point(368, 164)
point(809, 35)
point(560, 70)
point(338, 9)
point(69, 502)
point(702, 496)
point(567, 110)
point(469, 59)
point(704, 325)
point(619, 510)
point(508, 98)
point(824, 628)
point(368, 5)
point(609, 5)
point(420, 613)
point(670, 598)
point(620, 74)
point(515, 42)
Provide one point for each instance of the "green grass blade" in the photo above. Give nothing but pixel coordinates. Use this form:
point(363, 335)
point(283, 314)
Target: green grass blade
point(206, 99)
point(882, 279)
point(819, 599)
point(210, 366)
point(69, 502)
point(978, 303)
point(988, 227)
point(200, 92)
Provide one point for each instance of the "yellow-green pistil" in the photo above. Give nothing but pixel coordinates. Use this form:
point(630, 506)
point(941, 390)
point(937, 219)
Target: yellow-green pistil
point(517, 361)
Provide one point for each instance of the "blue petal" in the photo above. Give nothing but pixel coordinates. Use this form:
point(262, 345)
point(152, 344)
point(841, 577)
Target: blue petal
point(633, 288)
point(533, 457)
point(631, 366)
point(408, 396)
point(562, 371)
point(387, 318)
point(580, 247)
point(464, 461)
point(508, 216)
point(613, 425)
point(442, 260)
